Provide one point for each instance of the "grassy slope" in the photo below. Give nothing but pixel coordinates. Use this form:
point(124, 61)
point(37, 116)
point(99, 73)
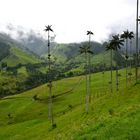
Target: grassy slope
point(97, 59)
point(114, 117)
point(102, 58)
point(18, 56)
point(67, 53)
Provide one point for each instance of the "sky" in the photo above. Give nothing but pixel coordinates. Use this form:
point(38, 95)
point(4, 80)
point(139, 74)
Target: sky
point(70, 19)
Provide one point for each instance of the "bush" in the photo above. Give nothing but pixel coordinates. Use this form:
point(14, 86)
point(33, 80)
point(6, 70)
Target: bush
point(111, 111)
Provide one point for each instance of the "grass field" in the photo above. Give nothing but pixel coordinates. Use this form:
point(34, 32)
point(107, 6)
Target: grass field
point(113, 116)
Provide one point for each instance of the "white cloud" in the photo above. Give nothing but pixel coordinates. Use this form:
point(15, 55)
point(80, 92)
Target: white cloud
point(70, 18)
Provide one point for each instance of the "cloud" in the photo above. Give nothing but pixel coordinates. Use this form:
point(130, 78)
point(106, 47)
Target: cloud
point(10, 27)
point(70, 18)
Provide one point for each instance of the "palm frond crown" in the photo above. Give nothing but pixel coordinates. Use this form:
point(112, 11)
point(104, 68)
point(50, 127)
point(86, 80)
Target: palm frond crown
point(85, 49)
point(48, 28)
point(131, 35)
point(89, 33)
point(125, 34)
point(115, 43)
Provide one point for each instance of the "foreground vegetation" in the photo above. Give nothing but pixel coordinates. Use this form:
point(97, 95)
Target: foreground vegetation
point(111, 116)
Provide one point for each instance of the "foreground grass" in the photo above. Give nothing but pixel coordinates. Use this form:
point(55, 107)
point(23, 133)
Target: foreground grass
point(111, 116)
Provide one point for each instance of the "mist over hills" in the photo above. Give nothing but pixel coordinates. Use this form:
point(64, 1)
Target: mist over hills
point(36, 45)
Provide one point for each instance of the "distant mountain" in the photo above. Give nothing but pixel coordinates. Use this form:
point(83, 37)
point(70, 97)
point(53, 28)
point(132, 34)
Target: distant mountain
point(69, 54)
point(13, 53)
point(35, 44)
point(66, 54)
point(18, 56)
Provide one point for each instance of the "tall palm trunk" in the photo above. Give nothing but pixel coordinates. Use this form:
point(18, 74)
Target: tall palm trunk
point(89, 79)
point(137, 48)
point(130, 59)
point(50, 108)
point(103, 70)
point(117, 78)
point(87, 83)
point(126, 63)
point(111, 88)
point(89, 72)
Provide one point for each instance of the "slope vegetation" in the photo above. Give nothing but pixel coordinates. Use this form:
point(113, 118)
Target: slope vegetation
point(18, 56)
point(113, 116)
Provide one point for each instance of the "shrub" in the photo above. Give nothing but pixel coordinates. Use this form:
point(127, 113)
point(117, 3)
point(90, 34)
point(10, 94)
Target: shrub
point(111, 111)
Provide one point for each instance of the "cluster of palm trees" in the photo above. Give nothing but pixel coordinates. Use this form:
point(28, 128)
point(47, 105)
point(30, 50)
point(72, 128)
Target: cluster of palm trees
point(113, 45)
point(127, 36)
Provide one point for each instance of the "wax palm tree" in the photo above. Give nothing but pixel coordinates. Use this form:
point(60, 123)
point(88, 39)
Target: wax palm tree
point(85, 49)
point(109, 47)
point(131, 36)
point(116, 44)
point(125, 36)
point(89, 33)
point(50, 108)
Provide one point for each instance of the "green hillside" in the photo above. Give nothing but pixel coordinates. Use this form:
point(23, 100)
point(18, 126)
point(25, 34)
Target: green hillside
point(4, 50)
point(13, 52)
point(69, 58)
point(113, 116)
point(13, 67)
point(18, 56)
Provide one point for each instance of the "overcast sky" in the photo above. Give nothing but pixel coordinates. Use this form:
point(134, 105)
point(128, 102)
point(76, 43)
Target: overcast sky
point(70, 19)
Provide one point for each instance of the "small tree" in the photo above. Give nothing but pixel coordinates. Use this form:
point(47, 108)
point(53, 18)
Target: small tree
point(3, 65)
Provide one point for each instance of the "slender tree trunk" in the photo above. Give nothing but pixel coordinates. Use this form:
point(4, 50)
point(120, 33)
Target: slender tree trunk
point(87, 84)
point(130, 59)
point(103, 72)
point(50, 103)
point(136, 61)
point(111, 88)
point(50, 108)
point(117, 79)
point(126, 63)
point(89, 80)
point(89, 72)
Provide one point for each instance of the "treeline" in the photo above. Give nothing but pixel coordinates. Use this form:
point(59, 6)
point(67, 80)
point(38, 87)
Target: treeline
point(13, 82)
